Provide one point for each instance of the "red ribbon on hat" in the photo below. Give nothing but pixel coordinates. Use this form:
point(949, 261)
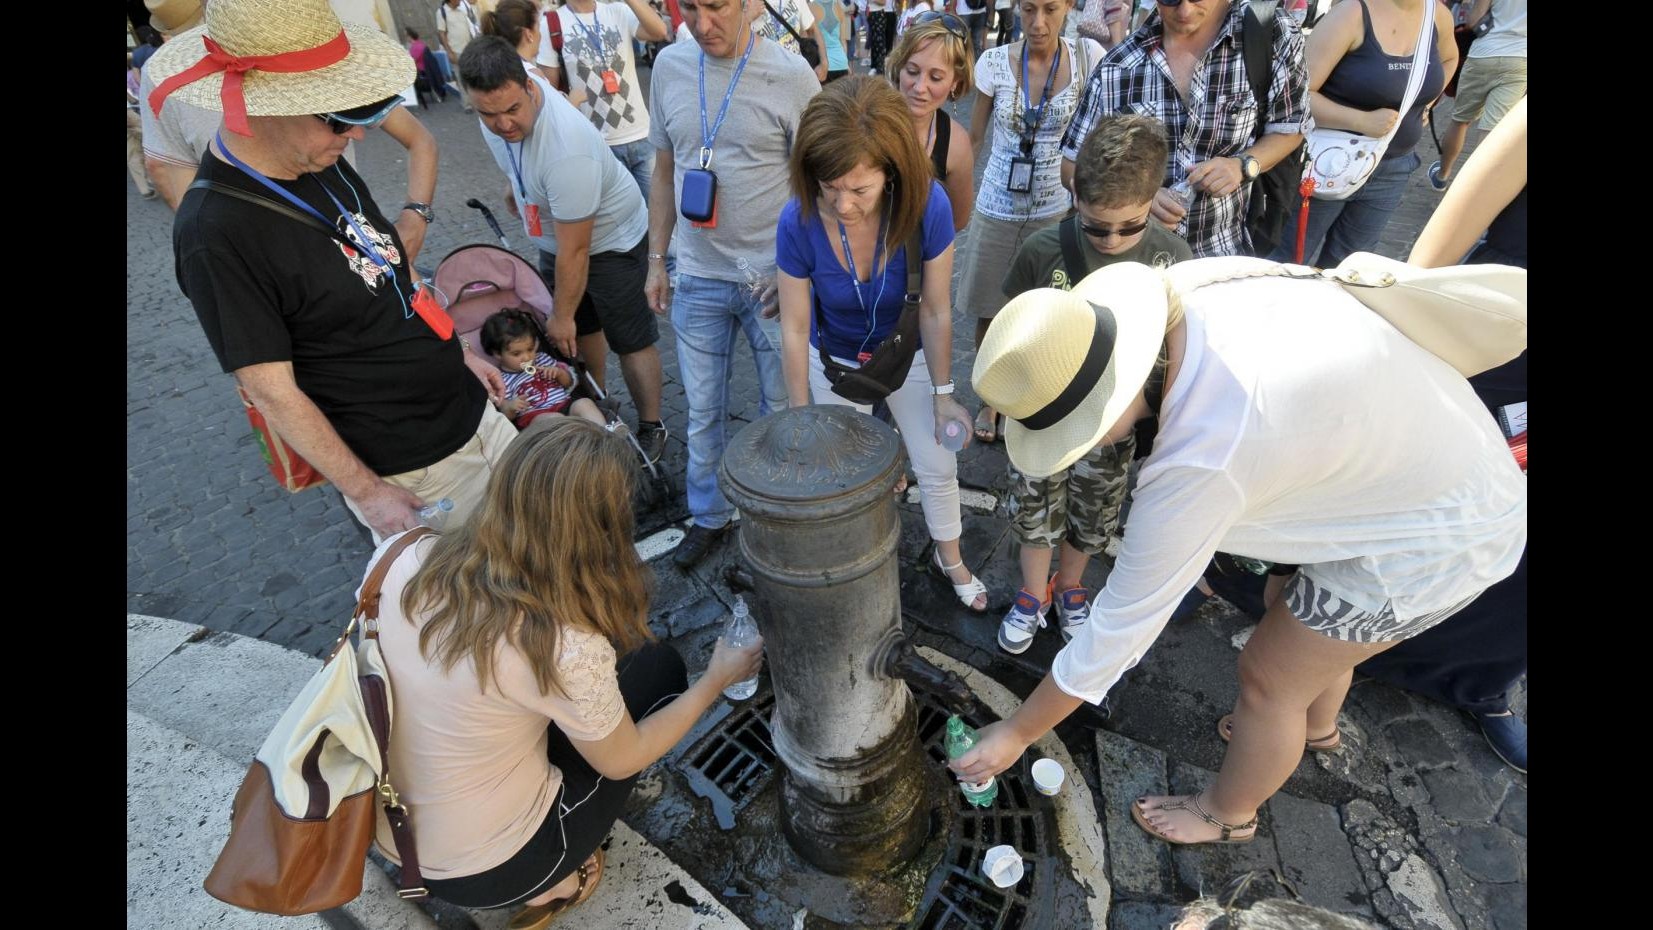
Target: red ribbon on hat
point(235, 68)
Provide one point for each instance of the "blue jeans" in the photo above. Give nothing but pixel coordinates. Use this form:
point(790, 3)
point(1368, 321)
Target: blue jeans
point(706, 314)
point(638, 158)
point(1339, 228)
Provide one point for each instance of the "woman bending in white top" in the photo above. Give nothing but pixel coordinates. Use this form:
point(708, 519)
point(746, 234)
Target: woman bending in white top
point(1297, 427)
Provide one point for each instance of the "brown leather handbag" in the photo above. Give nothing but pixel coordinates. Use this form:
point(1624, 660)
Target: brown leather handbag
point(303, 818)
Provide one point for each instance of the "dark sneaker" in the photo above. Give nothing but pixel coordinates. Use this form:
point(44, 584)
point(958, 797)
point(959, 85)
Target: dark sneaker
point(653, 441)
point(1507, 735)
point(1435, 179)
point(696, 543)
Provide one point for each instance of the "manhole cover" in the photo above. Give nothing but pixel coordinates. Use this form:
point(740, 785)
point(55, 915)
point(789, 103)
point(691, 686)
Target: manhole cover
point(736, 760)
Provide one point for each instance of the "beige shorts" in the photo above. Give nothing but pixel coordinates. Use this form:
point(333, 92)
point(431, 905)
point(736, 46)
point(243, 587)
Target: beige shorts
point(461, 477)
point(1488, 88)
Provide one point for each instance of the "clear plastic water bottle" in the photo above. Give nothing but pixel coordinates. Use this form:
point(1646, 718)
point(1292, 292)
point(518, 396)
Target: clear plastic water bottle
point(755, 283)
point(952, 436)
point(436, 515)
point(960, 737)
point(741, 631)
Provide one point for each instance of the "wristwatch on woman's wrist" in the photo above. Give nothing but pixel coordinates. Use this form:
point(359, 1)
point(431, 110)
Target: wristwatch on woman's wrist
point(942, 390)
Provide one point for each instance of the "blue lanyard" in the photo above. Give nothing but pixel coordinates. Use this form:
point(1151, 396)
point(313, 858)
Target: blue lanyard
point(366, 245)
point(516, 169)
point(709, 136)
point(849, 259)
point(1032, 116)
point(593, 34)
point(363, 243)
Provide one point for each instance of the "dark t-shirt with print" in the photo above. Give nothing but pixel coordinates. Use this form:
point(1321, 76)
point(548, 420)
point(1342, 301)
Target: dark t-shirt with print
point(1039, 261)
point(271, 289)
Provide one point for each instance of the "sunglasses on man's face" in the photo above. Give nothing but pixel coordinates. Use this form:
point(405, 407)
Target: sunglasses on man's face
point(1177, 2)
point(948, 21)
point(1103, 232)
point(367, 117)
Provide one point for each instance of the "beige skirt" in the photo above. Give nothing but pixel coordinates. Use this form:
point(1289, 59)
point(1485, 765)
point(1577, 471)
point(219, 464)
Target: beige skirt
point(991, 245)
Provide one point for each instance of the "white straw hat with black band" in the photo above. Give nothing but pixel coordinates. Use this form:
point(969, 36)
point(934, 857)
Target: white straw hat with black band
point(278, 58)
point(1063, 366)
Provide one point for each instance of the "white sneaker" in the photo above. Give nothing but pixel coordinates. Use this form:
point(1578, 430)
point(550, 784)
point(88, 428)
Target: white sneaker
point(1025, 619)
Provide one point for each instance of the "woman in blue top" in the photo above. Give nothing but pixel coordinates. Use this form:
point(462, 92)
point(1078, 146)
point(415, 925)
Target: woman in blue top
point(861, 187)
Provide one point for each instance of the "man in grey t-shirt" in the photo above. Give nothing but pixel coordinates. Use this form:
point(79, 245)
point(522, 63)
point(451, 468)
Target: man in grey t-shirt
point(755, 92)
point(584, 212)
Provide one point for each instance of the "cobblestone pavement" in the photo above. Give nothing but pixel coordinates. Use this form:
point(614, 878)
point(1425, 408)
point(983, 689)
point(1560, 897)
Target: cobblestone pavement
point(1416, 824)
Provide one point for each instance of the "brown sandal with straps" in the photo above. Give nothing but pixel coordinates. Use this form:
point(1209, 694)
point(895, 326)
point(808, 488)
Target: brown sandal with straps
point(1328, 743)
point(1191, 804)
point(539, 916)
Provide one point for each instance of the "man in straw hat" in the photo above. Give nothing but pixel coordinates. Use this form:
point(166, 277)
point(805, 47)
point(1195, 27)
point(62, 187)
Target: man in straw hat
point(173, 141)
point(304, 289)
point(1296, 426)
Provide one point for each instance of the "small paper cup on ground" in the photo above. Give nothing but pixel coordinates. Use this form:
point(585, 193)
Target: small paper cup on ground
point(1002, 865)
point(1048, 776)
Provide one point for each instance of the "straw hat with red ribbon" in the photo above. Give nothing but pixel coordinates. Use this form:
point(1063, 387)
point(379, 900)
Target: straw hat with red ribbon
point(278, 58)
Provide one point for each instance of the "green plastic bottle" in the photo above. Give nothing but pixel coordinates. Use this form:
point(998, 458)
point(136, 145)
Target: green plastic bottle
point(960, 737)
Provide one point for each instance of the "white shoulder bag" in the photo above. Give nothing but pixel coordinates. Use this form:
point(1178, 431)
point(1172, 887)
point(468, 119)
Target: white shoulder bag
point(1340, 161)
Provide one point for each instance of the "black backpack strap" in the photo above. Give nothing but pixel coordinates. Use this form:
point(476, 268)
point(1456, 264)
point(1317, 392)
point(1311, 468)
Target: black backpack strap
point(782, 20)
point(915, 266)
point(944, 138)
point(1257, 43)
point(1073, 258)
point(268, 204)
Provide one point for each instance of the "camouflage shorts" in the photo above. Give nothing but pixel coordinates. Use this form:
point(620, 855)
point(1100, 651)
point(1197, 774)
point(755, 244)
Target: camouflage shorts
point(1080, 503)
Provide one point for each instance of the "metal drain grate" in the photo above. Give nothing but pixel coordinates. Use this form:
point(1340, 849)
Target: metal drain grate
point(732, 763)
point(958, 896)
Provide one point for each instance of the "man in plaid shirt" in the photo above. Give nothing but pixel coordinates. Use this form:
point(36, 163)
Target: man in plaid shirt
point(1186, 67)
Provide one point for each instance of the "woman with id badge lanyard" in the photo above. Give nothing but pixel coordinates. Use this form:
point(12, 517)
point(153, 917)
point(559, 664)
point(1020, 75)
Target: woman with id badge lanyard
point(1030, 90)
point(862, 199)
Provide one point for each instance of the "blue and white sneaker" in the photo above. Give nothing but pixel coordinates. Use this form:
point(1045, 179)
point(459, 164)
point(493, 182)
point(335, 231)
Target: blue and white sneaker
point(1025, 618)
point(1435, 180)
point(1074, 604)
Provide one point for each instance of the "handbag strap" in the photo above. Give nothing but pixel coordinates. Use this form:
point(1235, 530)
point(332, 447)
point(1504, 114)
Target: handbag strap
point(1420, 68)
point(410, 882)
point(268, 204)
point(782, 20)
point(1258, 51)
point(915, 287)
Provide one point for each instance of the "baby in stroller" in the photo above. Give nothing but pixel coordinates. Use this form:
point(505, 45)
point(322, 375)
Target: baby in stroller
point(535, 383)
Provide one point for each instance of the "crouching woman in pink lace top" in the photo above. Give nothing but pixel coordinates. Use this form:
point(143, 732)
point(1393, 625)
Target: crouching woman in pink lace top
point(528, 692)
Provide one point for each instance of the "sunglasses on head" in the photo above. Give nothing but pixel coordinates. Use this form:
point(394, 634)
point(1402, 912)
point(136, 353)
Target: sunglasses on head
point(1123, 232)
point(948, 21)
point(367, 117)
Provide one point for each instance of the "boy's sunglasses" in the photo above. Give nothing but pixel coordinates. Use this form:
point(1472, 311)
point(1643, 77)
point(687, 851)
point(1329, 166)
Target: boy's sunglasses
point(367, 117)
point(1176, 2)
point(1103, 232)
point(948, 21)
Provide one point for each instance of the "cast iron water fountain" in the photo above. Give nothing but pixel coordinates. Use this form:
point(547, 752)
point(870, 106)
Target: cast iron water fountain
point(876, 832)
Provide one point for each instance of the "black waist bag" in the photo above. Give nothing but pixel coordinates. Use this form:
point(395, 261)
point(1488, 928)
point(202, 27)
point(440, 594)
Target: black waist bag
point(886, 370)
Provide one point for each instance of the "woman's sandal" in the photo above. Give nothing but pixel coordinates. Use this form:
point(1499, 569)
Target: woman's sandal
point(967, 592)
point(538, 916)
point(989, 426)
point(1192, 805)
point(1329, 743)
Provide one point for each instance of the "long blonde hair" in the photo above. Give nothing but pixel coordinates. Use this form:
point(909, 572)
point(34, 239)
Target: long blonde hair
point(550, 547)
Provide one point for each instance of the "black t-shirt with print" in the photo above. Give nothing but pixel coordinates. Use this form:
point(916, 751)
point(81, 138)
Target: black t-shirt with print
point(271, 289)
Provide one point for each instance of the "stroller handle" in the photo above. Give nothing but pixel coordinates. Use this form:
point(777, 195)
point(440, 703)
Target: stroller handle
point(488, 217)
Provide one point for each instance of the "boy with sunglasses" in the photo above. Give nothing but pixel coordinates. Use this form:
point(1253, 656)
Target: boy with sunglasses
point(1115, 178)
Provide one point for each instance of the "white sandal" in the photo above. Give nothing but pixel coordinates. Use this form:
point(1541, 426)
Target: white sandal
point(967, 592)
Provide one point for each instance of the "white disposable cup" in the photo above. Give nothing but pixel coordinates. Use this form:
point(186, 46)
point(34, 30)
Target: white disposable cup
point(1048, 776)
point(1002, 865)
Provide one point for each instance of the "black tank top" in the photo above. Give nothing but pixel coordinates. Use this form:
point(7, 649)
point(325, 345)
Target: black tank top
point(944, 135)
point(1369, 78)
